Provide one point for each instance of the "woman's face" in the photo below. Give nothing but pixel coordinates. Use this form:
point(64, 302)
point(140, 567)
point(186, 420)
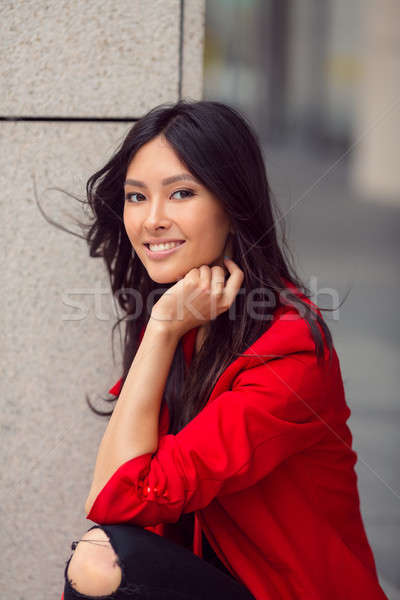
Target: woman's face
point(182, 210)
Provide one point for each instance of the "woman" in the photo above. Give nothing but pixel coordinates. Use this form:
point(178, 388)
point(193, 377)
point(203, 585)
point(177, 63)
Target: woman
point(226, 468)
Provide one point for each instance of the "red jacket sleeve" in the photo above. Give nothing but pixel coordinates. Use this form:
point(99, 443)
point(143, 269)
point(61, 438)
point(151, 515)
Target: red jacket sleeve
point(273, 411)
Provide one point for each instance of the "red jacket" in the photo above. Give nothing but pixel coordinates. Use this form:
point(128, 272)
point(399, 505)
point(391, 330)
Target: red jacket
point(267, 468)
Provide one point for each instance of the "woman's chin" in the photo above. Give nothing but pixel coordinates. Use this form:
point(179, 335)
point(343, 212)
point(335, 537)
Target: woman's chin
point(165, 279)
point(174, 275)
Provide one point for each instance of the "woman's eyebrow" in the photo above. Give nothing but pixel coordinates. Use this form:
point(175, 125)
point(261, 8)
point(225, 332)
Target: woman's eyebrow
point(165, 181)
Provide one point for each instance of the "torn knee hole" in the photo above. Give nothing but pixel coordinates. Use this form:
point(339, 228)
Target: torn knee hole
point(91, 569)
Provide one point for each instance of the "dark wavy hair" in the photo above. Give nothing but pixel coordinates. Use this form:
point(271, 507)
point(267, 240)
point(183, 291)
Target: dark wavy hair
point(219, 147)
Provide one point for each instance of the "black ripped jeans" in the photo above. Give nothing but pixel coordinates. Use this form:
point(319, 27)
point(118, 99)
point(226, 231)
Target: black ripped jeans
point(157, 568)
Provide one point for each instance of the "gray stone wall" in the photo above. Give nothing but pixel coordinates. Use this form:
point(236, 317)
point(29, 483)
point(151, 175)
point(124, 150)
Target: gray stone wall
point(66, 60)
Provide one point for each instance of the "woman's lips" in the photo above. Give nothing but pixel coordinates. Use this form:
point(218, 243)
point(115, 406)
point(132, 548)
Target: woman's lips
point(159, 254)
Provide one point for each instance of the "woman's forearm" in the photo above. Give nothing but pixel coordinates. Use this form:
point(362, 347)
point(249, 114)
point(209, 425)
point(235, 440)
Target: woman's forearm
point(133, 427)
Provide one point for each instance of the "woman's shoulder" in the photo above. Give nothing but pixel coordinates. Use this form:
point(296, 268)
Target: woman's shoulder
point(289, 329)
point(283, 363)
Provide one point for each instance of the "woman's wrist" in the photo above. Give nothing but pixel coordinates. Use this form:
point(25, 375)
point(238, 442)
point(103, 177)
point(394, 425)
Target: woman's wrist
point(165, 328)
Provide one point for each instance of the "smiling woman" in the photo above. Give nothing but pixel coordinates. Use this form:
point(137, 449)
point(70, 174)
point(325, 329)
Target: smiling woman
point(192, 222)
point(226, 468)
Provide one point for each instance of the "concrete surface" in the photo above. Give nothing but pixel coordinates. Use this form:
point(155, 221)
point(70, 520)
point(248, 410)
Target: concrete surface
point(98, 59)
point(68, 60)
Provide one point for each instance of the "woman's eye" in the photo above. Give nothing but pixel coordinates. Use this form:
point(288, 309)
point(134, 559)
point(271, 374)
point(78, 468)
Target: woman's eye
point(132, 194)
point(129, 196)
point(189, 192)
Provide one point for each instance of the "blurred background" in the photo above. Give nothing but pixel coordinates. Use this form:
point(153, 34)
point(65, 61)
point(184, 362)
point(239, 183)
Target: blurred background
point(320, 82)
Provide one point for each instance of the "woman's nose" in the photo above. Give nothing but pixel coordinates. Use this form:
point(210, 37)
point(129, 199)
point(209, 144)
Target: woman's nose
point(156, 216)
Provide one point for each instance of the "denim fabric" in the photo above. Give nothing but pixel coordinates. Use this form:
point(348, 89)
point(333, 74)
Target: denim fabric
point(157, 568)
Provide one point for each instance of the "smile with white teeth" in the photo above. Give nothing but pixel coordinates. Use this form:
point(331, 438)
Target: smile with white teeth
point(167, 246)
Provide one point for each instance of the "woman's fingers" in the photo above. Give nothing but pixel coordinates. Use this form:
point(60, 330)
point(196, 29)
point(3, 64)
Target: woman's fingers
point(202, 295)
point(217, 280)
point(233, 282)
point(205, 276)
point(217, 290)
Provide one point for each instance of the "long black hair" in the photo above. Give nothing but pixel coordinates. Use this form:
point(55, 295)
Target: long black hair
point(219, 147)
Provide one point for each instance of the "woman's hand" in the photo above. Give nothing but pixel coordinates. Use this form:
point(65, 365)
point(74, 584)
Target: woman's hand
point(201, 296)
